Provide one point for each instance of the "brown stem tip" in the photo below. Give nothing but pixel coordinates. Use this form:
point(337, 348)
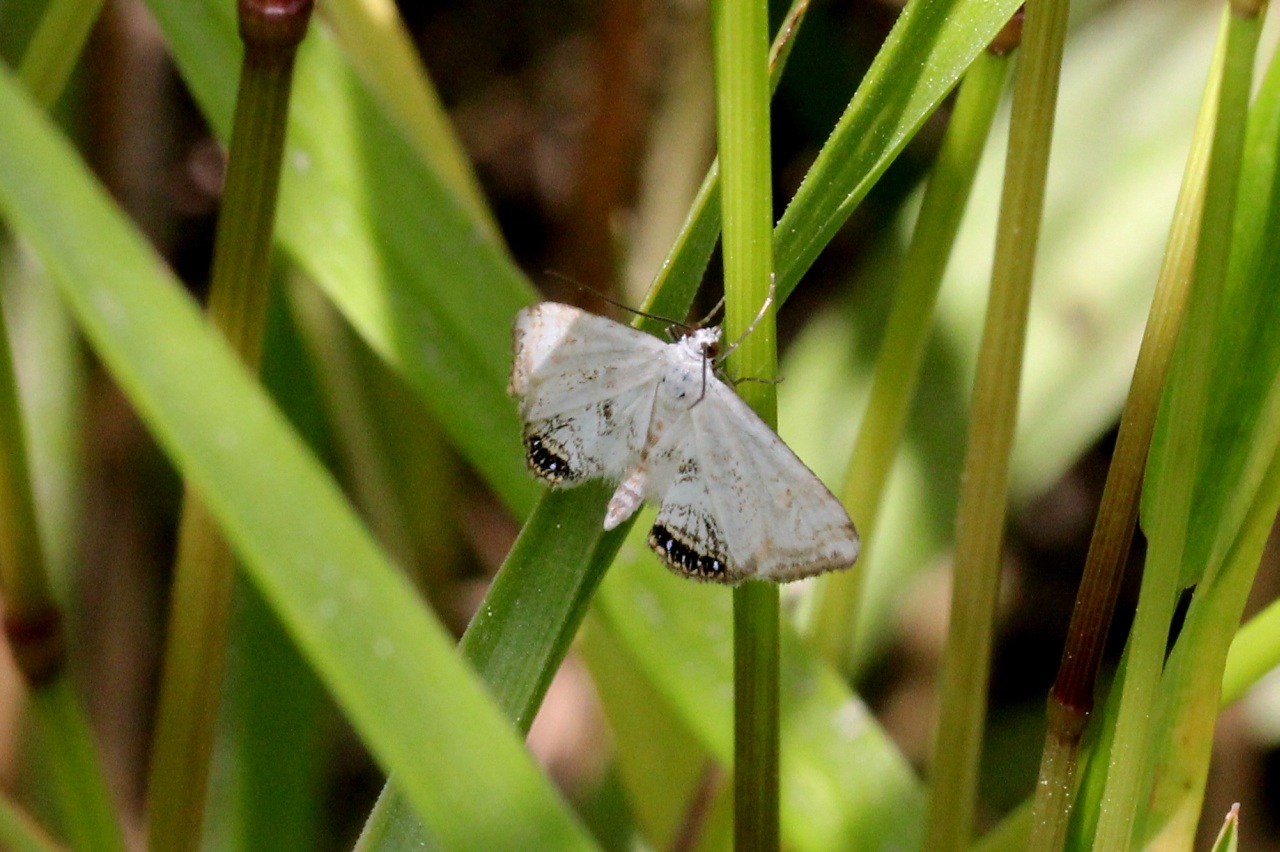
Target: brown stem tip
point(1010, 35)
point(36, 642)
point(273, 24)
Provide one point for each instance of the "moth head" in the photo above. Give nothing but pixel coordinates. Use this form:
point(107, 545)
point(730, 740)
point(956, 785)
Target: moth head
point(706, 341)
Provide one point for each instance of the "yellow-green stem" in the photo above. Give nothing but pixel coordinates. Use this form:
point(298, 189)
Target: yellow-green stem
point(966, 661)
point(1071, 700)
point(1171, 472)
point(200, 607)
point(905, 337)
point(33, 623)
point(741, 45)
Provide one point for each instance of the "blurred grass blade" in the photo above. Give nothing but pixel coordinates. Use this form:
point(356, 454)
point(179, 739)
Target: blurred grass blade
point(51, 382)
point(662, 765)
point(34, 627)
point(55, 47)
point(382, 232)
point(374, 36)
point(984, 492)
point(1229, 837)
point(1254, 652)
point(279, 717)
point(391, 667)
point(844, 784)
point(20, 833)
point(86, 811)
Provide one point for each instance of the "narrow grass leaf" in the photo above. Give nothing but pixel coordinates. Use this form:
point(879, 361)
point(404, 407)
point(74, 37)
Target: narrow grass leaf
point(384, 235)
point(1238, 489)
point(392, 668)
point(923, 58)
point(1247, 355)
point(1229, 838)
point(1173, 463)
point(19, 832)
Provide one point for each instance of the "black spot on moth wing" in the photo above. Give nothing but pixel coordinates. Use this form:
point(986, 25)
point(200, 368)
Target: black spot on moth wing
point(548, 460)
point(685, 558)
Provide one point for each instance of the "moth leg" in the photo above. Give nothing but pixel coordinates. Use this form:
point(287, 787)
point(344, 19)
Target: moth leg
point(768, 300)
point(777, 380)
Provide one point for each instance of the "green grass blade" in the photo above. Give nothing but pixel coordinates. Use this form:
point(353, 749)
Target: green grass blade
point(667, 774)
point(20, 833)
point(382, 51)
point(1246, 403)
point(843, 783)
point(280, 721)
point(529, 616)
point(1248, 356)
point(1228, 839)
point(382, 232)
point(55, 47)
point(906, 336)
point(923, 58)
point(980, 517)
point(86, 810)
point(1189, 701)
point(392, 668)
point(1167, 498)
point(34, 629)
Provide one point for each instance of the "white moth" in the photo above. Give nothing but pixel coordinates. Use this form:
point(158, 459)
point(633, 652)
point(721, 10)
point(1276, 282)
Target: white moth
point(602, 400)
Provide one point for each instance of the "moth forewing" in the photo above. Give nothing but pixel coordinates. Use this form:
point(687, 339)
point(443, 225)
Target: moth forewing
point(602, 400)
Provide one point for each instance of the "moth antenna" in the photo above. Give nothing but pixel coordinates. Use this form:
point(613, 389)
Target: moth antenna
point(702, 323)
point(671, 323)
point(768, 300)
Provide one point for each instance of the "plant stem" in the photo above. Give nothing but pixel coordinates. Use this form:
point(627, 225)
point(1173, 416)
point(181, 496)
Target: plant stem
point(1172, 470)
point(195, 654)
point(741, 43)
point(682, 270)
point(519, 689)
point(33, 627)
point(966, 663)
point(905, 337)
point(1071, 700)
